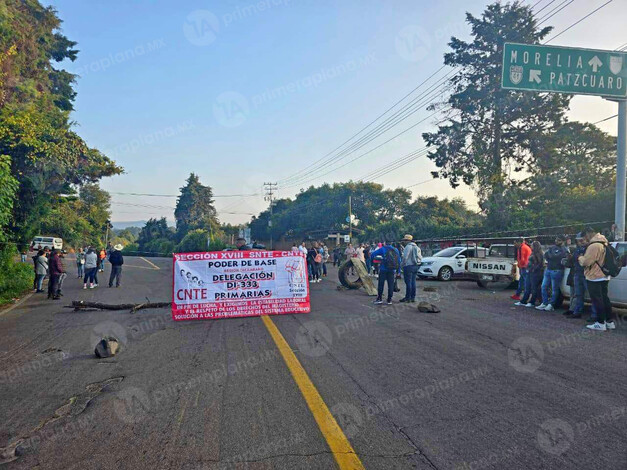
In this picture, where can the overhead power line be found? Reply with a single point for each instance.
(369, 124)
(579, 21)
(177, 195)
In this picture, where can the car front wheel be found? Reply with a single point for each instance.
(445, 274)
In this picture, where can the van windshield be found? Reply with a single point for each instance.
(48, 240)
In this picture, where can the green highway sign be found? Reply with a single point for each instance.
(564, 70)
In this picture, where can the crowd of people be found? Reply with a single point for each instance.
(542, 273)
(89, 262)
(387, 261)
(317, 256)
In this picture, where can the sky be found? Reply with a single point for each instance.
(243, 93)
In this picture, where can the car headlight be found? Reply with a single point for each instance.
(427, 263)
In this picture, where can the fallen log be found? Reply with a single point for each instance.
(78, 305)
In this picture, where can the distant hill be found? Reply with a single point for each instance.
(132, 223)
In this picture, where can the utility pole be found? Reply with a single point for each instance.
(270, 190)
(350, 219)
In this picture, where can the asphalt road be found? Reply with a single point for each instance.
(482, 384)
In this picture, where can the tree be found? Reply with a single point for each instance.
(194, 208)
(492, 133)
(155, 232)
(47, 157)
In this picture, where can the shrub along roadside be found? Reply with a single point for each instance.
(16, 278)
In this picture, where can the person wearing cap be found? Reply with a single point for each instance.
(410, 261)
(556, 258)
(579, 279)
(117, 260)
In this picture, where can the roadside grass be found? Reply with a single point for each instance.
(16, 279)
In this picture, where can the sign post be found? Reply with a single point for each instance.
(555, 69)
(621, 171)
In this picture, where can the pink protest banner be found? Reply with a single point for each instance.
(226, 284)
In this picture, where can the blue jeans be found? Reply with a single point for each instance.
(579, 291)
(552, 277)
(409, 275)
(521, 281)
(532, 287)
(368, 264)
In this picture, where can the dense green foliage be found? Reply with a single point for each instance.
(380, 214)
(15, 278)
(48, 174)
(48, 159)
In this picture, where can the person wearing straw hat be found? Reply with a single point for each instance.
(410, 262)
(117, 260)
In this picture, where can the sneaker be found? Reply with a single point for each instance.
(515, 297)
(597, 326)
(541, 307)
(413, 301)
(95, 285)
(378, 302)
(568, 312)
(91, 286)
(389, 302)
(519, 304)
(530, 305)
(404, 300)
(84, 286)
(549, 308)
(610, 325)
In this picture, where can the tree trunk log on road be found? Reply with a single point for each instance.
(83, 305)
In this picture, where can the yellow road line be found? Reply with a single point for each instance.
(343, 452)
(150, 263)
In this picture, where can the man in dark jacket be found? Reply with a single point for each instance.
(556, 258)
(117, 260)
(389, 268)
(56, 269)
(579, 279)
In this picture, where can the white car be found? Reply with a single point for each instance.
(617, 290)
(450, 262)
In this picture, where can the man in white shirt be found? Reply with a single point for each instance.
(303, 249)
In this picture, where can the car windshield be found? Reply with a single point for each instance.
(447, 253)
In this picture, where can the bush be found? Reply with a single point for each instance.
(194, 240)
(132, 249)
(15, 278)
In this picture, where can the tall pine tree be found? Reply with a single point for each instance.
(194, 208)
(492, 133)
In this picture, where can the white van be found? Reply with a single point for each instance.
(53, 243)
(617, 291)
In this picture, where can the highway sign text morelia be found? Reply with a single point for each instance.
(564, 70)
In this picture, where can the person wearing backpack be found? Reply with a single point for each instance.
(389, 267)
(599, 266)
(314, 260)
